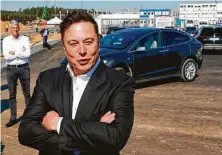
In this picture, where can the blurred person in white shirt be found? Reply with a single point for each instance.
(16, 51)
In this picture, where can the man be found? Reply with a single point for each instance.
(36, 28)
(83, 108)
(44, 33)
(16, 50)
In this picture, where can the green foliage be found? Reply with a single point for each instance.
(29, 14)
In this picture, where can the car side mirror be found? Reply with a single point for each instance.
(140, 49)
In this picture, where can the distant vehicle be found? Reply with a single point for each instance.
(114, 28)
(210, 37)
(189, 23)
(191, 30)
(148, 53)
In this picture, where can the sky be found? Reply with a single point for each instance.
(102, 5)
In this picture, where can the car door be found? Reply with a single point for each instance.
(175, 47)
(218, 36)
(146, 55)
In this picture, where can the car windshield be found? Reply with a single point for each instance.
(118, 40)
(190, 29)
(207, 32)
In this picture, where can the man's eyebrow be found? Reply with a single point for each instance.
(72, 40)
(90, 38)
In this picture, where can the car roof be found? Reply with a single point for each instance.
(211, 26)
(143, 31)
(138, 30)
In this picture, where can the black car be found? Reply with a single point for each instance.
(191, 30)
(150, 52)
(210, 37)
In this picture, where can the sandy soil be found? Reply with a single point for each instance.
(171, 117)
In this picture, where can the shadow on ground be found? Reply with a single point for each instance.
(212, 52)
(157, 82)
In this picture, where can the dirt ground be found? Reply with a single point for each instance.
(171, 117)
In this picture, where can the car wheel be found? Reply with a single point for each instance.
(129, 72)
(188, 70)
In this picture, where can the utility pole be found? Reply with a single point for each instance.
(81, 4)
(216, 13)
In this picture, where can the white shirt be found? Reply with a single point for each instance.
(21, 46)
(45, 32)
(79, 84)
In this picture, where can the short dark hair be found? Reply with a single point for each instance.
(74, 17)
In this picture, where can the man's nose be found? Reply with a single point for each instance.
(82, 50)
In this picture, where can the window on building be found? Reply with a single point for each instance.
(157, 13)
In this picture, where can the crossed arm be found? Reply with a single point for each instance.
(111, 132)
(10, 54)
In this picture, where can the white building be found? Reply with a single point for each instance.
(117, 19)
(209, 13)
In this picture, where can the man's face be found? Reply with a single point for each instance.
(15, 30)
(81, 47)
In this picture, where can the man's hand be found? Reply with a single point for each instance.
(108, 117)
(51, 120)
(12, 52)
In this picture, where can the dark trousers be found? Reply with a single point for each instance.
(13, 74)
(45, 43)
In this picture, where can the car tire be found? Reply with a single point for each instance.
(188, 70)
(129, 72)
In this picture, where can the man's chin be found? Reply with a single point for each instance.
(85, 69)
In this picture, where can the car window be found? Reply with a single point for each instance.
(207, 32)
(118, 40)
(172, 38)
(151, 41)
(218, 32)
(197, 32)
(191, 29)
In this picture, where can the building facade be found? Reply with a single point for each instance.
(208, 13)
(148, 16)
